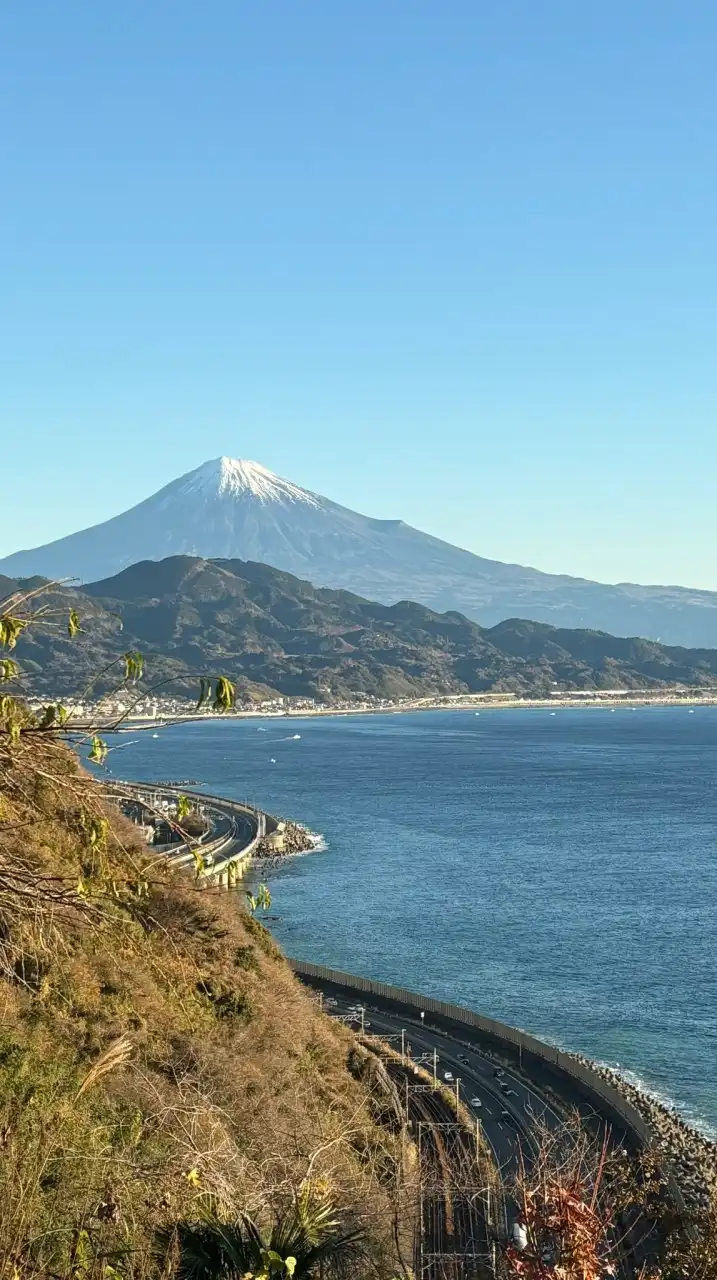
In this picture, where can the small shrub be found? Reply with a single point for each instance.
(245, 958)
(226, 1002)
(262, 937)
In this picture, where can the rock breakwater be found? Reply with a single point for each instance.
(288, 839)
(691, 1156)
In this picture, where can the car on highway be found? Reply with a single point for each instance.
(447, 1075)
(476, 1102)
(498, 1071)
(520, 1236)
(462, 1058)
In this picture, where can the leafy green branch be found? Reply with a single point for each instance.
(16, 616)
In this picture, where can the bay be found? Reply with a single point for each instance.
(554, 870)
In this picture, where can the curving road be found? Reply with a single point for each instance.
(506, 1117)
(235, 827)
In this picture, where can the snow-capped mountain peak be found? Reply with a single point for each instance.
(235, 477)
(231, 509)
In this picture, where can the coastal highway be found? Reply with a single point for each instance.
(234, 827)
(510, 1121)
(533, 1103)
(507, 1119)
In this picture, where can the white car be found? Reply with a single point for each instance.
(476, 1102)
(520, 1236)
(447, 1075)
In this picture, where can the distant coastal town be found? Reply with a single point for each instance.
(123, 707)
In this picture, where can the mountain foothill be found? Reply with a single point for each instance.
(273, 633)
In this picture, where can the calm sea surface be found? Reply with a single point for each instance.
(556, 871)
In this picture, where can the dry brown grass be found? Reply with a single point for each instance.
(155, 1049)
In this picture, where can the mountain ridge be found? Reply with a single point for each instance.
(273, 633)
(236, 509)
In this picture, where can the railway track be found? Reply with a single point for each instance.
(454, 1235)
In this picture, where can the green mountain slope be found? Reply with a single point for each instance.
(270, 631)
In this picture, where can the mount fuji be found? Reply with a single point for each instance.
(228, 509)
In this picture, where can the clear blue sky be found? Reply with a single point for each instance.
(452, 262)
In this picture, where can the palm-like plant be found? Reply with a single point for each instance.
(308, 1240)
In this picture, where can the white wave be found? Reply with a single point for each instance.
(650, 1092)
(319, 844)
(654, 1094)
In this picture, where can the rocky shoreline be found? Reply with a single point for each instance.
(289, 839)
(691, 1156)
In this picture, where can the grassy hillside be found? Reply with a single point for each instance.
(269, 631)
(156, 1054)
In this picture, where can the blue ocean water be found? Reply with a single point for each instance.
(556, 871)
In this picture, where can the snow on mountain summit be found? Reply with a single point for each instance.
(235, 477)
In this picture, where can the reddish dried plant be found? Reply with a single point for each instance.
(575, 1194)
